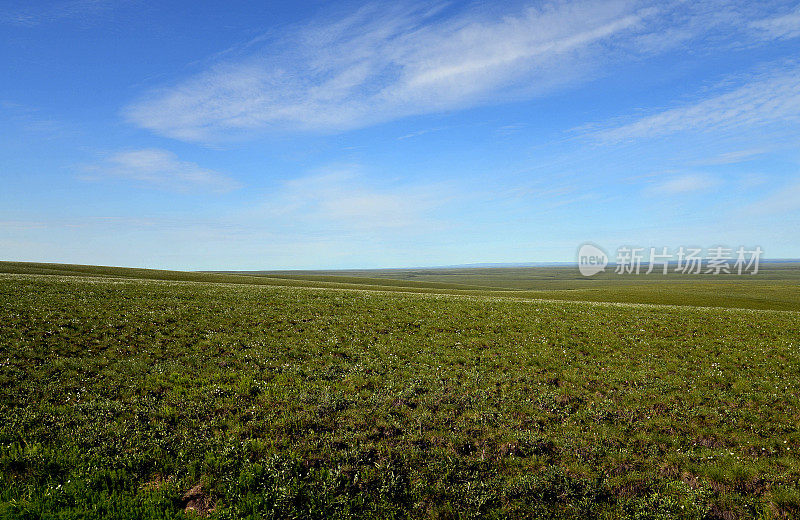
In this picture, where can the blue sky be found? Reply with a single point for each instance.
(260, 135)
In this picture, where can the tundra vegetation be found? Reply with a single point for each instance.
(397, 394)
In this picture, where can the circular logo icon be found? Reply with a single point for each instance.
(591, 260)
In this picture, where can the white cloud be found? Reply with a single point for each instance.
(422, 132)
(779, 27)
(734, 157)
(83, 10)
(341, 199)
(762, 100)
(785, 200)
(683, 184)
(382, 63)
(29, 119)
(162, 169)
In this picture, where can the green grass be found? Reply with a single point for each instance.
(121, 390)
(776, 287)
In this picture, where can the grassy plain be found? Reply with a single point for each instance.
(144, 394)
(776, 286)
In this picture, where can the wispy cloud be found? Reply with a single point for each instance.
(760, 100)
(342, 198)
(781, 27)
(511, 129)
(784, 200)
(422, 132)
(30, 119)
(159, 168)
(381, 63)
(384, 62)
(35, 14)
(734, 157)
(683, 184)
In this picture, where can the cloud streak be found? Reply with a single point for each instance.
(734, 157)
(782, 27)
(31, 16)
(382, 63)
(162, 169)
(684, 184)
(772, 98)
(338, 198)
(385, 62)
(784, 200)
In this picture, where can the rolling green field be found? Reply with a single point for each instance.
(776, 286)
(132, 393)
